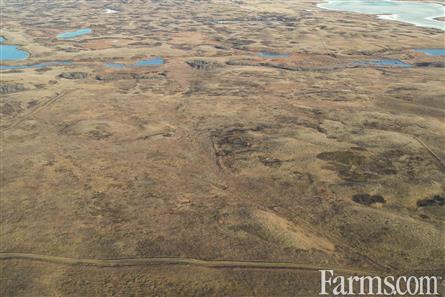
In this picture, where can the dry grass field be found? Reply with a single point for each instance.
(218, 154)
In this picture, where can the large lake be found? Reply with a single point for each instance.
(416, 13)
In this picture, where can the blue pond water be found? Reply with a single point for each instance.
(156, 61)
(272, 55)
(416, 13)
(115, 65)
(383, 63)
(11, 52)
(74, 34)
(40, 65)
(431, 51)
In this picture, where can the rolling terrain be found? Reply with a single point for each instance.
(219, 155)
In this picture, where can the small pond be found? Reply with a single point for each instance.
(115, 65)
(431, 51)
(74, 34)
(11, 52)
(156, 61)
(272, 55)
(40, 65)
(383, 63)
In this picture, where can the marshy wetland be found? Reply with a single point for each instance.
(164, 132)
